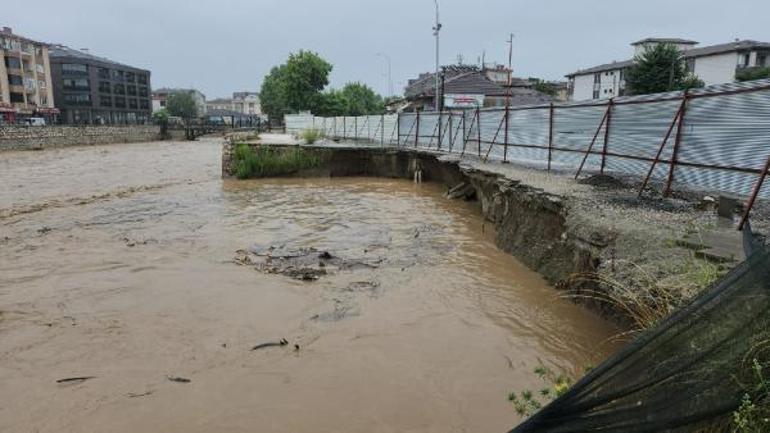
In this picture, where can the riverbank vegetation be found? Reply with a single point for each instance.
(268, 162)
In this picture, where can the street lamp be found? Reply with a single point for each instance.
(390, 71)
(436, 30)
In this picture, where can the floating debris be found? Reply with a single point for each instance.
(178, 379)
(280, 343)
(75, 379)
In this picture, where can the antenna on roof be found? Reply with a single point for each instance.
(460, 59)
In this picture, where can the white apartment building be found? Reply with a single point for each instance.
(246, 103)
(714, 64)
(25, 78)
(160, 96)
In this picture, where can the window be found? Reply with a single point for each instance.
(15, 80)
(74, 69)
(118, 76)
(120, 102)
(133, 104)
(104, 73)
(597, 78)
(12, 63)
(762, 60)
(105, 87)
(131, 90)
(119, 89)
(142, 79)
(105, 101)
(690, 65)
(78, 98)
(143, 91)
(77, 83)
(130, 77)
(144, 104)
(17, 97)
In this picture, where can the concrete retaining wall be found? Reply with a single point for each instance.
(35, 138)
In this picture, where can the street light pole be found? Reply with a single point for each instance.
(390, 73)
(436, 30)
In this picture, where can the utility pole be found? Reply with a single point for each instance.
(510, 72)
(436, 30)
(390, 73)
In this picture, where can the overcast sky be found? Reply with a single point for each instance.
(229, 45)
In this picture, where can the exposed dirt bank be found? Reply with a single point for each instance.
(576, 234)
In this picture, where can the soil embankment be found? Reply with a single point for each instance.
(594, 239)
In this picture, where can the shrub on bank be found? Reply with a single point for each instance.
(311, 135)
(266, 161)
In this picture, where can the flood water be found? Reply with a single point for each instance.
(117, 262)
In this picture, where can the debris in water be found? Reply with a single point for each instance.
(178, 379)
(43, 230)
(75, 379)
(143, 394)
(281, 342)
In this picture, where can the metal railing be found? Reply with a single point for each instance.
(714, 139)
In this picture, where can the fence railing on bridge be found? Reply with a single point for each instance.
(714, 139)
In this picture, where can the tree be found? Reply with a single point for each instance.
(330, 103)
(660, 68)
(273, 94)
(295, 85)
(753, 74)
(160, 116)
(361, 99)
(182, 104)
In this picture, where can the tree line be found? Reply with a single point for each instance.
(300, 85)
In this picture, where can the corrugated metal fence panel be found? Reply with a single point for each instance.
(296, 123)
(528, 128)
(731, 131)
(574, 128)
(726, 125)
(637, 130)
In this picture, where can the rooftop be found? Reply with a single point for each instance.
(63, 51)
(678, 41)
(7, 31)
(710, 50)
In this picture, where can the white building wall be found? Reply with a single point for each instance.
(583, 87)
(716, 69)
(611, 82)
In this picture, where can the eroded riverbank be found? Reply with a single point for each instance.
(117, 262)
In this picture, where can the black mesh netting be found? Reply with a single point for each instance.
(691, 370)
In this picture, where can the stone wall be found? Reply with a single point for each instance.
(35, 138)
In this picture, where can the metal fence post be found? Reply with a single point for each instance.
(478, 127)
(606, 134)
(417, 130)
(754, 195)
(344, 127)
(398, 130)
(677, 143)
(505, 139)
(439, 131)
(550, 135)
(451, 134)
(382, 129)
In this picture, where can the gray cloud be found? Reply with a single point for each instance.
(230, 45)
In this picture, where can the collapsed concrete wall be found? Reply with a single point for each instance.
(35, 138)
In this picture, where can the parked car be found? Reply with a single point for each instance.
(34, 121)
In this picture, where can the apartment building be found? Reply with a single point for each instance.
(25, 79)
(89, 89)
(246, 103)
(714, 64)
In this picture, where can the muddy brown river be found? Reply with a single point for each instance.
(117, 263)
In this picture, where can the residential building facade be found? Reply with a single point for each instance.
(246, 103)
(468, 86)
(714, 64)
(160, 96)
(89, 89)
(25, 79)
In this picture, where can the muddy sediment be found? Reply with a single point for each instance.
(420, 323)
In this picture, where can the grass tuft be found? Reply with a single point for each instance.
(268, 162)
